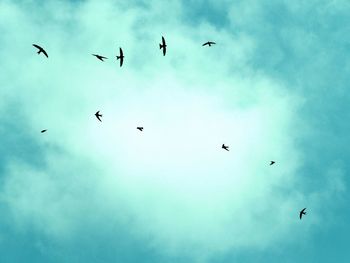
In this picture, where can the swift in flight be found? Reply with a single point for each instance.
(272, 162)
(98, 115)
(43, 131)
(163, 46)
(209, 43)
(140, 128)
(225, 147)
(302, 212)
(121, 56)
(99, 57)
(40, 50)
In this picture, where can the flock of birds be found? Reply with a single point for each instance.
(162, 46)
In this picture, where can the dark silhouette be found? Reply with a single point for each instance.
(121, 56)
(98, 115)
(100, 57)
(225, 147)
(140, 128)
(209, 43)
(43, 131)
(41, 50)
(272, 162)
(302, 213)
(163, 46)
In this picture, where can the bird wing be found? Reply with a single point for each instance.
(163, 40)
(212, 43)
(164, 50)
(44, 53)
(98, 117)
(38, 47)
(121, 51)
(205, 44)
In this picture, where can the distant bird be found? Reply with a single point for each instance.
(302, 212)
(163, 46)
(225, 147)
(100, 57)
(272, 162)
(209, 43)
(140, 128)
(121, 56)
(43, 131)
(98, 115)
(41, 50)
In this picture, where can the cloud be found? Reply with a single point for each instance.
(172, 182)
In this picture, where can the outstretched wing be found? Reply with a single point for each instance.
(44, 53)
(206, 43)
(38, 47)
(121, 57)
(301, 213)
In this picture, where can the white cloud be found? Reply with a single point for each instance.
(173, 179)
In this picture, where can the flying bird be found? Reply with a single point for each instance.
(225, 147)
(140, 128)
(40, 50)
(43, 131)
(121, 56)
(98, 115)
(209, 43)
(272, 162)
(163, 46)
(302, 212)
(100, 57)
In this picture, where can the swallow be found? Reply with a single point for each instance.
(163, 46)
(302, 212)
(43, 131)
(100, 57)
(209, 43)
(40, 50)
(225, 147)
(140, 128)
(121, 56)
(98, 115)
(272, 162)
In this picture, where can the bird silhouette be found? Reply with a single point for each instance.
(302, 212)
(209, 43)
(121, 56)
(40, 50)
(225, 147)
(100, 57)
(272, 162)
(43, 131)
(140, 128)
(163, 46)
(98, 115)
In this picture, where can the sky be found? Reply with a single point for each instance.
(272, 88)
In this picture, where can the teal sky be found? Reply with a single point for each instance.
(274, 87)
